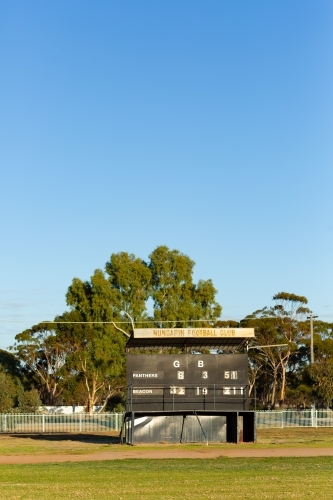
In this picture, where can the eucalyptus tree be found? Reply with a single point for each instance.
(290, 316)
(321, 373)
(10, 389)
(322, 339)
(130, 281)
(10, 363)
(82, 353)
(177, 300)
(97, 347)
(283, 323)
(264, 362)
(29, 401)
(43, 355)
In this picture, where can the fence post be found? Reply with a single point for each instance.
(282, 419)
(5, 423)
(80, 421)
(43, 423)
(313, 416)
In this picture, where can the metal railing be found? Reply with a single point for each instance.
(81, 422)
(108, 422)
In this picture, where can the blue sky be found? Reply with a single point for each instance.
(204, 126)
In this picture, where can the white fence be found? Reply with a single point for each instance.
(68, 410)
(81, 422)
(107, 422)
(293, 418)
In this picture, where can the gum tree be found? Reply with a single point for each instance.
(97, 347)
(43, 355)
(177, 300)
(130, 280)
(290, 314)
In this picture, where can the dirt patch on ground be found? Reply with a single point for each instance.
(119, 452)
(53, 448)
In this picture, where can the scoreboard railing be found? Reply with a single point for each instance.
(187, 397)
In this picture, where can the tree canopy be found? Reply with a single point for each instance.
(80, 357)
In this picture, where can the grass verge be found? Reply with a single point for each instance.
(274, 478)
(80, 444)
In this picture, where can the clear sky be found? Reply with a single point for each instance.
(206, 126)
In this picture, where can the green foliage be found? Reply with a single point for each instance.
(10, 388)
(300, 397)
(10, 363)
(98, 362)
(13, 397)
(130, 280)
(43, 354)
(322, 375)
(80, 359)
(227, 324)
(119, 408)
(74, 390)
(96, 358)
(323, 340)
(285, 297)
(176, 298)
(283, 323)
(29, 402)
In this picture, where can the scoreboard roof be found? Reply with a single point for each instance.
(189, 337)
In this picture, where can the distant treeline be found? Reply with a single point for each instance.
(80, 358)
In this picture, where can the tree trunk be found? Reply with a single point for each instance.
(274, 389)
(283, 384)
(91, 396)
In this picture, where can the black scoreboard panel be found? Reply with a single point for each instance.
(165, 382)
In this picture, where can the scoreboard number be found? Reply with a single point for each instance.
(231, 375)
(180, 391)
(204, 374)
(201, 390)
(232, 391)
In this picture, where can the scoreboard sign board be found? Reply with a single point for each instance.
(149, 333)
(164, 382)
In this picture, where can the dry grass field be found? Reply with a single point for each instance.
(80, 444)
(278, 477)
(230, 479)
(293, 436)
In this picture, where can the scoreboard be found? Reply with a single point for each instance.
(164, 382)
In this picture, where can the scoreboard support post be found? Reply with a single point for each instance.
(203, 432)
(249, 427)
(232, 428)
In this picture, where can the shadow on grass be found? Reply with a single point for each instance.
(68, 436)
